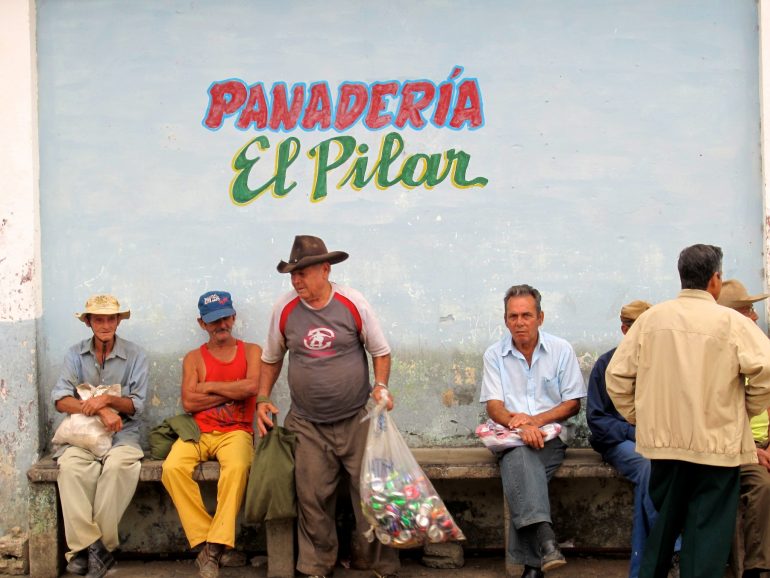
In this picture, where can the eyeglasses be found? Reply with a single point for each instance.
(747, 311)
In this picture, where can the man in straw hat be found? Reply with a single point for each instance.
(95, 492)
(219, 388)
(327, 330)
(755, 478)
(686, 374)
(615, 439)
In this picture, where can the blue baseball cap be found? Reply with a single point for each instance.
(214, 305)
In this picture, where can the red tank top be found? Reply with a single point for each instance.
(236, 414)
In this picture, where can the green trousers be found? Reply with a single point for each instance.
(701, 503)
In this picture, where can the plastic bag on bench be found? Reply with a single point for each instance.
(397, 499)
(498, 438)
(87, 431)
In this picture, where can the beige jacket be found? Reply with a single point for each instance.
(679, 374)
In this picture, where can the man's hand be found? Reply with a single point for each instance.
(532, 436)
(520, 419)
(264, 423)
(111, 420)
(94, 405)
(378, 392)
(764, 458)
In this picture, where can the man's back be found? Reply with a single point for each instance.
(690, 402)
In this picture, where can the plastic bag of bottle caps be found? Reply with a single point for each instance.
(498, 438)
(399, 502)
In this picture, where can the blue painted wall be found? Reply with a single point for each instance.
(616, 133)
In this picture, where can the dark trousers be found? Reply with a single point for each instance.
(701, 503)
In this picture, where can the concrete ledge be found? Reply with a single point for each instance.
(47, 530)
(461, 463)
(480, 463)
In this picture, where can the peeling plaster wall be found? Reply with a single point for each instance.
(20, 299)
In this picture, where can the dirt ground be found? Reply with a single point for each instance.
(475, 567)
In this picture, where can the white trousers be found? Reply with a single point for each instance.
(95, 493)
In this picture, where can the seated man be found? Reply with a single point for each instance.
(95, 492)
(615, 439)
(530, 379)
(755, 478)
(219, 387)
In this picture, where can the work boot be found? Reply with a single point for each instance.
(531, 572)
(79, 563)
(99, 560)
(232, 559)
(551, 556)
(208, 560)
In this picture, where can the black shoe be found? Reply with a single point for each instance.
(99, 560)
(552, 557)
(79, 563)
(530, 572)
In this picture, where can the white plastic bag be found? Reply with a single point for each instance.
(87, 431)
(397, 499)
(499, 438)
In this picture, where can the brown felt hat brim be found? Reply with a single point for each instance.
(331, 258)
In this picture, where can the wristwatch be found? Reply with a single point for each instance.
(380, 384)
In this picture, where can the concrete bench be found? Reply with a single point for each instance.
(46, 540)
(46, 532)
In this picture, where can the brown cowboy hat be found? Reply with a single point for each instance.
(734, 295)
(308, 250)
(103, 305)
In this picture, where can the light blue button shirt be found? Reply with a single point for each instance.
(554, 376)
(126, 364)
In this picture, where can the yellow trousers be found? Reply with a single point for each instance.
(95, 493)
(233, 451)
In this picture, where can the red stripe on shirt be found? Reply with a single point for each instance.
(285, 315)
(352, 308)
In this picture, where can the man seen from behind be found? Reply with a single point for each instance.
(686, 374)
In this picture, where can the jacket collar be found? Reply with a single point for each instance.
(696, 294)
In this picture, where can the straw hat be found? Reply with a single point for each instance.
(103, 305)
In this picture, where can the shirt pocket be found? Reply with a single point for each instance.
(550, 388)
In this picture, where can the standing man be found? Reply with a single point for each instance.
(678, 375)
(615, 439)
(531, 378)
(95, 492)
(755, 478)
(327, 330)
(219, 387)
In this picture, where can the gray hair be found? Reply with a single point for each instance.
(697, 265)
(523, 291)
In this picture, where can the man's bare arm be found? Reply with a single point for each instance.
(193, 400)
(267, 378)
(111, 420)
(528, 424)
(564, 410)
(241, 388)
(381, 367)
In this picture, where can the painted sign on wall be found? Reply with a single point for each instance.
(456, 104)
